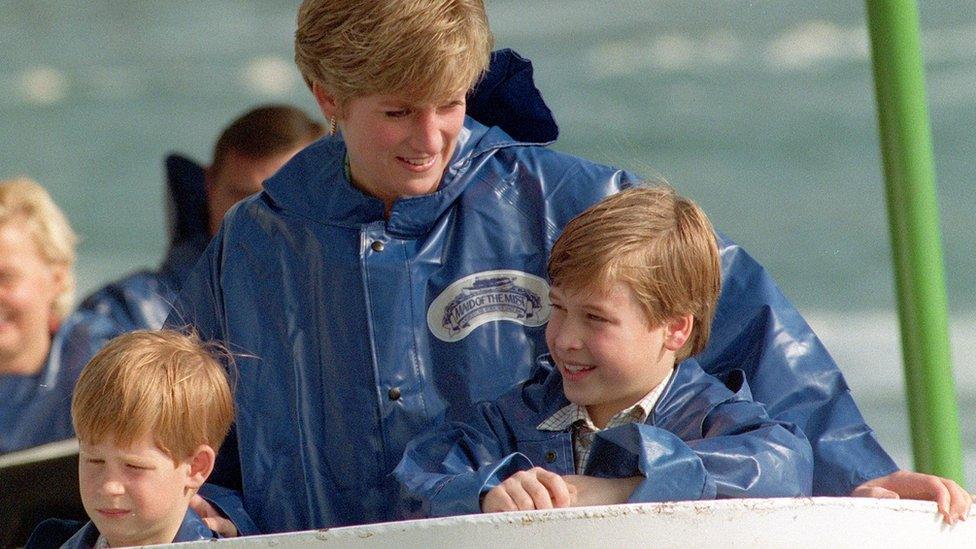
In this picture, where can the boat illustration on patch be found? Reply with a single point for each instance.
(488, 296)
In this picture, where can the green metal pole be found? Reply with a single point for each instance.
(913, 215)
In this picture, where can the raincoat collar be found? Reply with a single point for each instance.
(313, 185)
(191, 529)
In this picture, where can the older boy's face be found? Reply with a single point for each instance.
(608, 355)
(135, 495)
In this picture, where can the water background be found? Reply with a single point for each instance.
(763, 112)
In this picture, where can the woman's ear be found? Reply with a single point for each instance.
(201, 465)
(678, 331)
(327, 102)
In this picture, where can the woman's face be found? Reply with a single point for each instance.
(399, 147)
(29, 286)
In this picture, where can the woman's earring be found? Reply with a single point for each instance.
(332, 126)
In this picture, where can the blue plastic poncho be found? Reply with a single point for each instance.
(36, 409)
(357, 331)
(701, 441)
(191, 529)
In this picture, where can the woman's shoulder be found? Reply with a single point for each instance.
(541, 393)
(692, 392)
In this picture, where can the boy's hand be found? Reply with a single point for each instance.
(953, 502)
(601, 491)
(212, 517)
(532, 489)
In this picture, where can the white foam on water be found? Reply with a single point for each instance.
(867, 346)
(815, 43)
(812, 44)
(42, 85)
(672, 51)
(667, 52)
(614, 58)
(518, 20)
(270, 75)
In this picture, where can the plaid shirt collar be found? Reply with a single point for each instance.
(573, 413)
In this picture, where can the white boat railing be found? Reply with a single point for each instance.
(782, 522)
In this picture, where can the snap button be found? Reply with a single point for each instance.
(550, 457)
(394, 394)
(377, 246)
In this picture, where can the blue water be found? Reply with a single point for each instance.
(761, 111)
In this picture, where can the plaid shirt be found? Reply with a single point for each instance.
(576, 417)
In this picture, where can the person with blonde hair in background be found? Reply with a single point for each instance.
(42, 346)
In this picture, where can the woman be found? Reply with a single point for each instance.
(42, 348)
(392, 275)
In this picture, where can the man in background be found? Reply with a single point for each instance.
(248, 151)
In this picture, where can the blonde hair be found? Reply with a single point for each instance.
(425, 49)
(658, 243)
(22, 199)
(155, 381)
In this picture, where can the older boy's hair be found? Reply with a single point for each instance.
(161, 382)
(658, 243)
(424, 49)
(265, 131)
(22, 199)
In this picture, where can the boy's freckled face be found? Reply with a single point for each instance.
(134, 495)
(608, 355)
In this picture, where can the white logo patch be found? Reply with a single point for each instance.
(488, 296)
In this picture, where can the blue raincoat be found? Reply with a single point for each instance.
(142, 299)
(36, 409)
(356, 332)
(191, 529)
(701, 441)
(505, 97)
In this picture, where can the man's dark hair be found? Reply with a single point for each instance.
(265, 131)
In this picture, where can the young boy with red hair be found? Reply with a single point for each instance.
(151, 409)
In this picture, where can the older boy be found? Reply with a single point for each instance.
(634, 281)
(151, 410)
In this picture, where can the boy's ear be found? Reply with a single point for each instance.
(326, 101)
(678, 331)
(201, 465)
